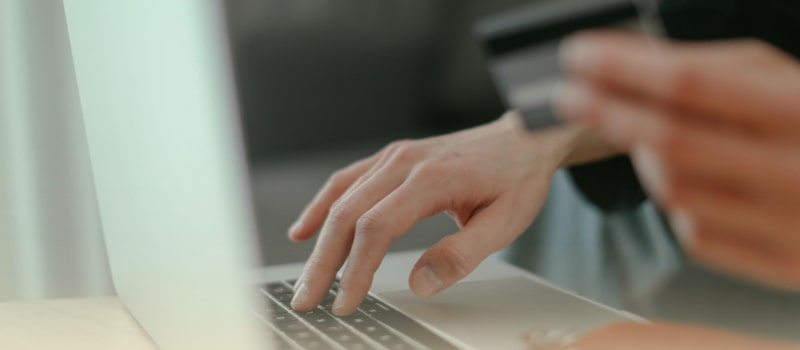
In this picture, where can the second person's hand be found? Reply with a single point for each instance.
(655, 336)
(714, 129)
(492, 180)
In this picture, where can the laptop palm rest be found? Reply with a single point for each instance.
(496, 314)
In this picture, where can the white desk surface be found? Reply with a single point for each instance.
(86, 324)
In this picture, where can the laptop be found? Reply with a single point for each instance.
(161, 117)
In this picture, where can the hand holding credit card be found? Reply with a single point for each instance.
(522, 47)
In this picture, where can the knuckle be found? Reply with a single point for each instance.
(686, 82)
(428, 170)
(341, 211)
(403, 153)
(669, 147)
(370, 224)
(396, 145)
(317, 264)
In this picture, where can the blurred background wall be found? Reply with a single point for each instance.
(323, 74)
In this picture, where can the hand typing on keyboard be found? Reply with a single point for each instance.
(492, 180)
(374, 325)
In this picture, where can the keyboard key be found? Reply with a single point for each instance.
(277, 310)
(358, 319)
(355, 332)
(292, 326)
(388, 338)
(311, 313)
(319, 319)
(398, 346)
(302, 334)
(350, 341)
(406, 326)
(278, 288)
(358, 346)
(285, 299)
(310, 341)
(334, 328)
(374, 307)
(373, 330)
(278, 318)
(327, 302)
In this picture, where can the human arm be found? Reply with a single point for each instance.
(611, 184)
(492, 180)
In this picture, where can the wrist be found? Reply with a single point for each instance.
(586, 147)
(559, 146)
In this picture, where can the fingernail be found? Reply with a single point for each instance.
(574, 101)
(579, 53)
(426, 282)
(339, 304)
(650, 171)
(300, 295)
(683, 227)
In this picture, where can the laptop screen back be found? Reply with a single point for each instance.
(166, 153)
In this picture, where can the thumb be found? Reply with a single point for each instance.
(456, 255)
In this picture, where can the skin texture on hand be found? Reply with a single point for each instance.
(663, 336)
(714, 133)
(492, 180)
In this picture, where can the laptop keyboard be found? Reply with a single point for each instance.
(375, 325)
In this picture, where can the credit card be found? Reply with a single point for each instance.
(522, 47)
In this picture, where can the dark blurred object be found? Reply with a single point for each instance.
(322, 74)
(522, 48)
